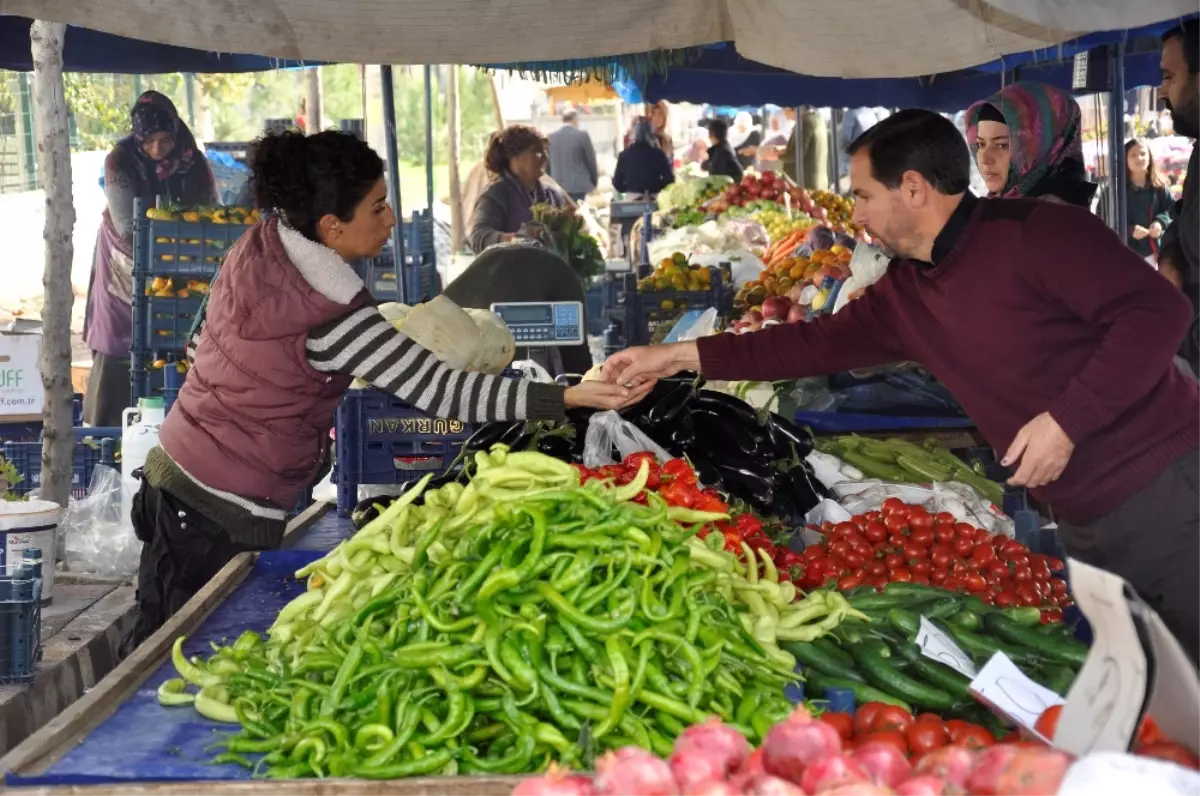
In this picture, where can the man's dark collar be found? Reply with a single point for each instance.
(946, 240)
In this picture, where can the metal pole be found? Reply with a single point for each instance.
(429, 138)
(1116, 137)
(189, 83)
(798, 149)
(393, 166)
(835, 151)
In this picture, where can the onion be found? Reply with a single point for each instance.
(555, 782)
(830, 771)
(633, 770)
(951, 763)
(885, 764)
(797, 742)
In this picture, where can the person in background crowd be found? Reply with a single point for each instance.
(301, 119)
(721, 157)
(1053, 335)
(1148, 203)
(158, 158)
(1180, 245)
(813, 128)
(643, 168)
(516, 162)
(1027, 142)
(855, 122)
(745, 137)
(698, 150)
(660, 120)
(573, 158)
(775, 138)
(286, 328)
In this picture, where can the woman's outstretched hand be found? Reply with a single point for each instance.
(602, 395)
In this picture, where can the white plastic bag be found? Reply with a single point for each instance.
(97, 535)
(608, 430)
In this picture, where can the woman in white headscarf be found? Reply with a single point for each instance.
(745, 137)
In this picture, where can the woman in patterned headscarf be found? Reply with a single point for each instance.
(158, 159)
(1027, 142)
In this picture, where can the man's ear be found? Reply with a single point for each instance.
(914, 188)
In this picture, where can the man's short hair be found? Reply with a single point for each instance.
(921, 141)
(1189, 32)
(570, 116)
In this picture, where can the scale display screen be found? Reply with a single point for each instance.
(543, 323)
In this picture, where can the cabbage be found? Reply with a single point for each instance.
(690, 191)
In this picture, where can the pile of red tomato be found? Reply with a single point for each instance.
(915, 736)
(909, 544)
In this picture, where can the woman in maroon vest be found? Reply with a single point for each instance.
(287, 327)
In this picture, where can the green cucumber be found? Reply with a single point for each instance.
(1071, 653)
(887, 601)
(943, 677)
(967, 620)
(872, 661)
(910, 590)
(906, 622)
(981, 648)
(948, 606)
(831, 649)
(815, 684)
(1059, 678)
(1023, 615)
(815, 659)
(873, 468)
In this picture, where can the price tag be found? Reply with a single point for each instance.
(939, 647)
(1004, 688)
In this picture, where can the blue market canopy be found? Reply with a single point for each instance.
(91, 51)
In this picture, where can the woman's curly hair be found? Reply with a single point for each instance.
(506, 144)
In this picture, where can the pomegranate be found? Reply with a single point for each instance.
(926, 785)
(989, 764)
(885, 764)
(855, 787)
(633, 770)
(709, 746)
(830, 771)
(775, 308)
(711, 788)
(797, 742)
(767, 785)
(951, 763)
(1033, 771)
(555, 782)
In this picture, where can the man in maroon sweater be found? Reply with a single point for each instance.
(1054, 336)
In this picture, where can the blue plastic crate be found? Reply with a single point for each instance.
(20, 626)
(26, 457)
(644, 312)
(191, 249)
(421, 279)
(380, 440)
(163, 324)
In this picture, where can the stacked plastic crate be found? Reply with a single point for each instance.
(647, 314)
(174, 263)
(421, 280)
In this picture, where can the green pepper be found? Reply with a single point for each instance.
(427, 764)
(577, 617)
(620, 698)
(172, 693)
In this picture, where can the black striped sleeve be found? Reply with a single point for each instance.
(364, 345)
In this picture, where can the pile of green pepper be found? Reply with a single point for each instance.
(520, 620)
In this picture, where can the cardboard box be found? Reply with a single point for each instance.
(21, 392)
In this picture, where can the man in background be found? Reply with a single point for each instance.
(1180, 246)
(573, 158)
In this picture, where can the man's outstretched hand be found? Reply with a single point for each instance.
(1043, 449)
(634, 367)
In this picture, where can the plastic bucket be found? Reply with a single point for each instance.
(26, 524)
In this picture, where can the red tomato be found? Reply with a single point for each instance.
(877, 567)
(874, 516)
(865, 717)
(1173, 752)
(925, 737)
(938, 577)
(842, 722)
(974, 737)
(915, 552)
(897, 540)
(1058, 586)
(976, 582)
(943, 534)
(964, 530)
(1022, 574)
(982, 556)
(891, 717)
(998, 569)
(896, 522)
(815, 551)
(876, 531)
(1055, 564)
(849, 582)
(679, 470)
(1006, 598)
(855, 560)
(921, 536)
(944, 518)
(902, 575)
(955, 728)
(839, 548)
(1048, 721)
(963, 547)
(920, 518)
(983, 536)
(1028, 594)
(926, 718)
(843, 528)
(922, 568)
(941, 558)
(1051, 615)
(893, 737)
(893, 560)
(1019, 559)
(895, 506)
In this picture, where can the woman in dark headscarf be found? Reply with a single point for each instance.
(1027, 142)
(158, 159)
(643, 168)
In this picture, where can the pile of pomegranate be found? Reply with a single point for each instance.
(801, 756)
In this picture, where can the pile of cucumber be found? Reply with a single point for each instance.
(879, 661)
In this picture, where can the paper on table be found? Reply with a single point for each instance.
(1007, 690)
(1113, 772)
(939, 647)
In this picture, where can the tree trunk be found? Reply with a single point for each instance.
(496, 110)
(312, 103)
(54, 161)
(454, 118)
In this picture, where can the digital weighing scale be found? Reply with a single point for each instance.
(541, 327)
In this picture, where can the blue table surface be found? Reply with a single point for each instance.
(144, 741)
(324, 534)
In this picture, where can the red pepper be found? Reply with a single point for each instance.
(678, 494)
(733, 542)
(678, 470)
